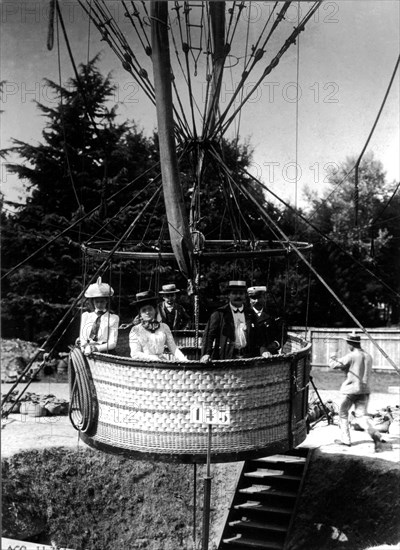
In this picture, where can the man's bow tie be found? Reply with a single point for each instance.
(238, 311)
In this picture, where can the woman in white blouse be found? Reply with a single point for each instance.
(147, 340)
(99, 327)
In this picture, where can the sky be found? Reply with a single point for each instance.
(343, 63)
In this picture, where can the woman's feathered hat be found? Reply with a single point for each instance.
(99, 290)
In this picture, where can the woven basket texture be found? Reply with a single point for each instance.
(146, 407)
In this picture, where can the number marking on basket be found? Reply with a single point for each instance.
(209, 415)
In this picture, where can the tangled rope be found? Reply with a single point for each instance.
(83, 408)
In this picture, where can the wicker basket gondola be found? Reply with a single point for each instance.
(141, 409)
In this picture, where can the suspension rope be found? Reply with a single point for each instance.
(89, 34)
(378, 216)
(240, 8)
(65, 148)
(222, 126)
(83, 408)
(244, 65)
(177, 95)
(75, 223)
(186, 49)
(357, 165)
(297, 115)
(220, 162)
(233, 181)
(267, 217)
(99, 270)
(256, 55)
(323, 235)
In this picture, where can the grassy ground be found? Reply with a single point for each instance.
(92, 501)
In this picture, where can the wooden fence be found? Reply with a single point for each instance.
(327, 341)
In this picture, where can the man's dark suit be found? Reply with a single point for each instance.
(177, 319)
(219, 335)
(273, 331)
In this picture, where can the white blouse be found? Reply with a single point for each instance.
(145, 344)
(108, 331)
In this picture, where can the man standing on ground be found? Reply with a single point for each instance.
(355, 390)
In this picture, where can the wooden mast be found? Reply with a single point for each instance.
(176, 214)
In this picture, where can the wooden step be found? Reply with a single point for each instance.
(263, 473)
(267, 491)
(256, 506)
(247, 543)
(294, 465)
(261, 513)
(286, 459)
(244, 525)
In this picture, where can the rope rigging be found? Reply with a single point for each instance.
(286, 239)
(77, 222)
(195, 38)
(99, 271)
(222, 126)
(357, 165)
(247, 71)
(323, 235)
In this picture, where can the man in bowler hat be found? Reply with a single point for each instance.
(232, 330)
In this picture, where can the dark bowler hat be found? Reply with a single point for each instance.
(236, 285)
(353, 338)
(145, 297)
(169, 289)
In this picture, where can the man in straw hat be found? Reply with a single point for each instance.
(355, 390)
(99, 327)
(172, 314)
(272, 327)
(232, 330)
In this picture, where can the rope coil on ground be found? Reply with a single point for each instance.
(83, 407)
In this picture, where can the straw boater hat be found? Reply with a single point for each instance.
(255, 290)
(145, 297)
(169, 289)
(236, 285)
(353, 338)
(99, 290)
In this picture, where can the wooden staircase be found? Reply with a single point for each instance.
(263, 506)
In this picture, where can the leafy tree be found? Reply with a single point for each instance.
(366, 264)
(84, 159)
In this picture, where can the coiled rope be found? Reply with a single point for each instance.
(83, 408)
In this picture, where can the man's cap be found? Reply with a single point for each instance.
(236, 285)
(145, 297)
(353, 338)
(255, 290)
(169, 289)
(99, 290)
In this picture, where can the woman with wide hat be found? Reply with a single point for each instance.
(99, 327)
(147, 339)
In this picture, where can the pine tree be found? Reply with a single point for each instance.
(85, 158)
